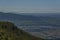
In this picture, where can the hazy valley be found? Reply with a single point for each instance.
(48, 27)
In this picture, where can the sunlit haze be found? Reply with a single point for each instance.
(30, 6)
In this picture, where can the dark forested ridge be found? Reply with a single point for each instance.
(8, 31)
(51, 20)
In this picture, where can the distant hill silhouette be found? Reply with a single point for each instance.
(36, 20)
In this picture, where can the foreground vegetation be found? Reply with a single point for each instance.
(8, 31)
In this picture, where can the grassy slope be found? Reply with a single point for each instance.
(8, 31)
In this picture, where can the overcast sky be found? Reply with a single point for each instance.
(30, 6)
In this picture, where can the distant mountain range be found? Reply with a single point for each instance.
(42, 14)
(30, 19)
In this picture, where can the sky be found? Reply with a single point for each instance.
(30, 6)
